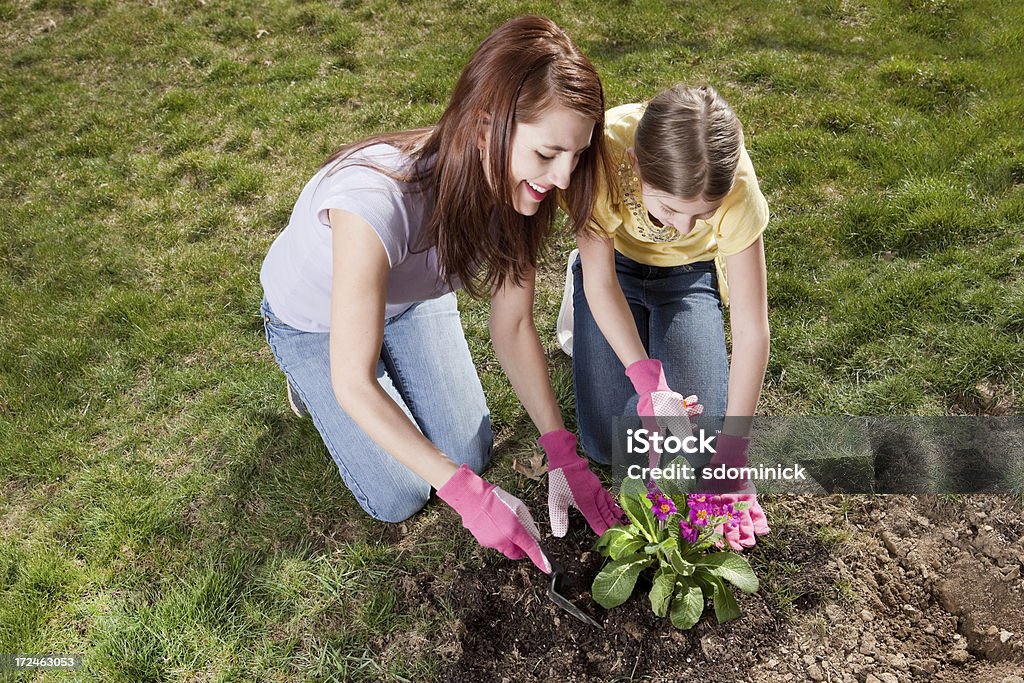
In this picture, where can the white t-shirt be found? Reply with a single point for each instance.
(296, 273)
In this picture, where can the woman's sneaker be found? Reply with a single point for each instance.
(295, 403)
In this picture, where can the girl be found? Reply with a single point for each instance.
(359, 303)
(680, 208)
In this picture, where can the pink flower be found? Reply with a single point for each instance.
(701, 509)
(699, 516)
(688, 533)
(662, 506)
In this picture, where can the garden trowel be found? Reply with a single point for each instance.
(561, 600)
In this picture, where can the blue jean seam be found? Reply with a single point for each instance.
(350, 481)
(398, 379)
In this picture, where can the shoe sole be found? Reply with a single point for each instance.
(293, 404)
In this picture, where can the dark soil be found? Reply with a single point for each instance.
(512, 630)
(869, 589)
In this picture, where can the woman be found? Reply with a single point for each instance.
(681, 201)
(359, 301)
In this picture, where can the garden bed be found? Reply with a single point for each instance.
(855, 588)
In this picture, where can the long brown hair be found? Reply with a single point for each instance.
(688, 143)
(524, 68)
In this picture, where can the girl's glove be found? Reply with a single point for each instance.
(752, 521)
(731, 451)
(658, 406)
(496, 518)
(571, 483)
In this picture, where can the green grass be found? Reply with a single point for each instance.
(162, 512)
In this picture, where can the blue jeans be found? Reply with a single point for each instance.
(678, 313)
(426, 368)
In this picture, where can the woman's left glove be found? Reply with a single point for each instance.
(571, 483)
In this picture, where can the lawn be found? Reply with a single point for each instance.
(161, 510)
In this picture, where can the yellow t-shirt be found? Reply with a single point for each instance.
(736, 225)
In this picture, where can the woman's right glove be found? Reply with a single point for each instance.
(496, 518)
(648, 378)
(657, 404)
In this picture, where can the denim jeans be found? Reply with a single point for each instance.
(678, 313)
(426, 368)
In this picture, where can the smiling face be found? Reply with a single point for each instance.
(666, 209)
(543, 156)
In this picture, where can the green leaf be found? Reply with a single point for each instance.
(613, 536)
(680, 565)
(605, 539)
(639, 512)
(688, 604)
(626, 547)
(726, 608)
(688, 552)
(675, 488)
(661, 591)
(635, 488)
(614, 584)
(731, 567)
(740, 505)
(638, 557)
(669, 545)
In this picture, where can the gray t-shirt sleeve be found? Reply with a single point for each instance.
(297, 273)
(373, 196)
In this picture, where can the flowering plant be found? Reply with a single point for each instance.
(678, 535)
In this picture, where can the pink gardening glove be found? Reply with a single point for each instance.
(657, 400)
(660, 409)
(571, 483)
(731, 451)
(752, 521)
(496, 518)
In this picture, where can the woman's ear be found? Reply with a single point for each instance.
(483, 128)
